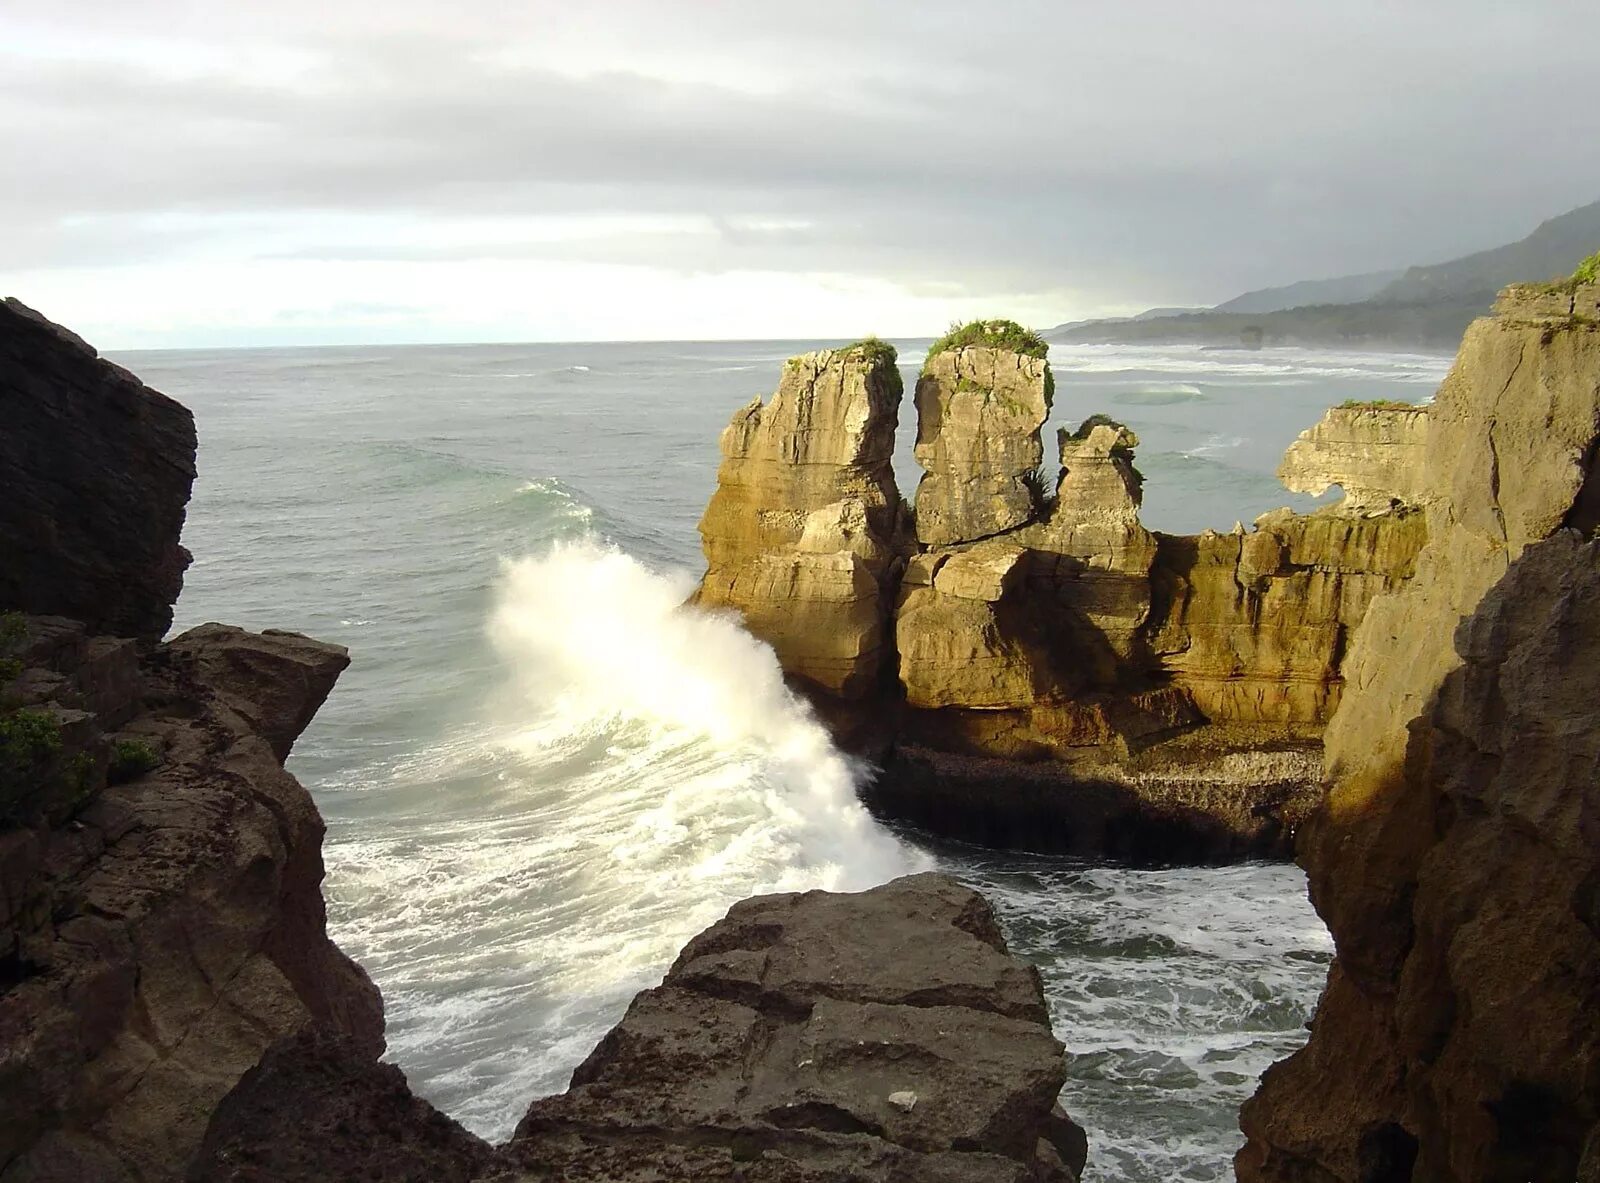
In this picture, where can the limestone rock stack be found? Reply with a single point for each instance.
(1094, 553)
(1454, 857)
(803, 535)
(979, 411)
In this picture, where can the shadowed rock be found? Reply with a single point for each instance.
(1451, 856)
(96, 469)
(162, 932)
(884, 1035)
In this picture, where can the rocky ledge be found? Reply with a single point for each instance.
(873, 1037)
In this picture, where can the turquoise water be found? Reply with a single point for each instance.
(540, 776)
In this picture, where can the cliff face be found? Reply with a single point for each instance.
(1373, 452)
(161, 933)
(979, 411)
(96, 468)
(801, 534)
(1455, 854)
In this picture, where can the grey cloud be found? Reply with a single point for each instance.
(1160, 151)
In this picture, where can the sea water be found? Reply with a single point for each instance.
(541, 775)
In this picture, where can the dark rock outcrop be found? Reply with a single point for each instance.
(96, 469)
(817, 1038)
(884, 1035)
(160, 933)
(1454, 856)
(319, 1107)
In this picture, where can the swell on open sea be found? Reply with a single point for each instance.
(541, 775)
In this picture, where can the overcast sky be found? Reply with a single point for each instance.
(189, 173)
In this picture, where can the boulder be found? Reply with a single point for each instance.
(875, 1036)
(97, 469)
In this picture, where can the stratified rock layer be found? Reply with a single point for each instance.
(1374, 452)
(1395, 1074)
(979, 411)
(881, 1036)
(96, 469)
(800, 536)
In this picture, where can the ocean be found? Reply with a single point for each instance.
(541, 775)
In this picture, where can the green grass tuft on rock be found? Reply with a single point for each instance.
(1588, 271)
(872, 349)
(995, 334)
(130, 758)
(1377, 404)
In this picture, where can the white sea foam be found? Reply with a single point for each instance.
(640, 768)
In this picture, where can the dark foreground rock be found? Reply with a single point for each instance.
(96, 469)
(158, 933)
(319, 1107)
(881, 1036)
(817, 1038)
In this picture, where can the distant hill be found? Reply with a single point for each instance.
(1420, 308)
(1345, 289)
(1554, 249)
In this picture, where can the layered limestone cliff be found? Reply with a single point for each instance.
(979, 411)
(801, 536)
(1054, 670)
(96, 468)
(1454, 856)
(161, 916)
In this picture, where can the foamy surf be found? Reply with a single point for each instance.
(641, 767)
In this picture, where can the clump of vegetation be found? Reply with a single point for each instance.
(1588, 271)
(30, 742)
(1376, 404)
(130, 758)
(1040, 488)
(996, 334)
(872, 349)
(876, 351)
(12, 629)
